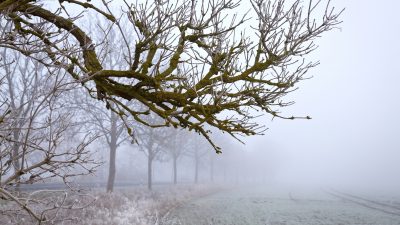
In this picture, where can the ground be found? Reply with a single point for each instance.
(261, 206)
(227, 205)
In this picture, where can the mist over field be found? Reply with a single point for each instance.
(150, 113)
(352, 99)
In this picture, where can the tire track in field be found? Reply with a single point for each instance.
(368, 203)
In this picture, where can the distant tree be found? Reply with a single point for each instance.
(111, 129)
(212, 156)
(109, 124)
(208, 70)
(152, 141)
(176, 148)
(38, 139)
(197, 150)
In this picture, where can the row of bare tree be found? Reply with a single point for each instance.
(155, 143)
(40, 138)
(50, 131)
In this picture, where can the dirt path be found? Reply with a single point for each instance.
(256, 206)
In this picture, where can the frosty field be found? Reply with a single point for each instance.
(261, 206)
(227, 205)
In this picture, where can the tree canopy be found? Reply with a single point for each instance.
(192, 63)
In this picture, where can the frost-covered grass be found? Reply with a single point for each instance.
(263, 206)
(211, 205)
(134, 205)
(140, 206)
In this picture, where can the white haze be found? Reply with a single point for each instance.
(353, 138)
(353, 98)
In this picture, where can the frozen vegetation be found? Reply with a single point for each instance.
(134, 205)
(223, 205)
(266, 206)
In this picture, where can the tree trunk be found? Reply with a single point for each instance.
(211, 167)
(149, 173)
(196, 170)
(113, 153)
(16, 160)
(112, 169)
(175, 171)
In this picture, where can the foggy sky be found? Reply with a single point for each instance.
(353, 137)
(353, 99)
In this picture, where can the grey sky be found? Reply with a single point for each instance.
(353, 100)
